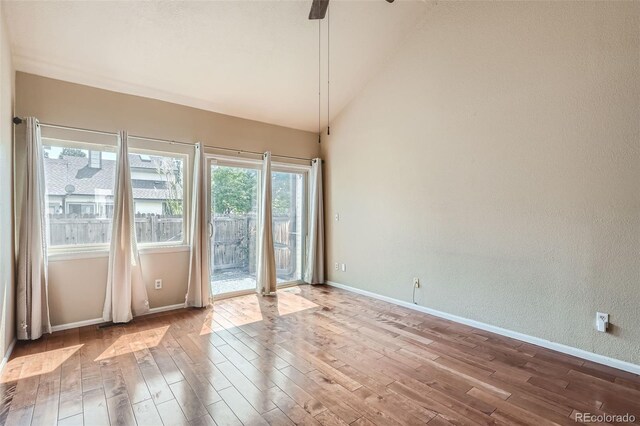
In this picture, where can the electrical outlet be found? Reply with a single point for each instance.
(416, 282)
(343, 267)
(602, 322)
(337, 266)
(158, 284)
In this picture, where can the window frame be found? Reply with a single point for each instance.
(304, 226)
(73, 139)
(66, 251)
(185, 193)
(81, 204)
(276, 166)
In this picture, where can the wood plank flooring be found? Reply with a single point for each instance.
(313, 355)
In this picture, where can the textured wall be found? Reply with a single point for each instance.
(59, 102)
(497, 157)
(77, 287)
(7, 326)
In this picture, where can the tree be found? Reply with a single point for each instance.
(72, 152)
(282, 185)
(171, 172)
(234, 190)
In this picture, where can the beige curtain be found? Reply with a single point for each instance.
(199, 287)
(126, 293)
(314, 272)
(32, 298)
(266, 268)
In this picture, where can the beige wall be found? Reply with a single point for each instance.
(497, 157)
(58, 102)
(7, 322)
(77, 287)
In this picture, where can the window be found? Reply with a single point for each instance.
(95, 159)
(287, 204)
(158, 195)
(55, 208)
(80, 182)
(78, 192)
(234, 216)
(233, 202)
(81, 209)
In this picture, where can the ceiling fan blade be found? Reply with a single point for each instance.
(318, 9)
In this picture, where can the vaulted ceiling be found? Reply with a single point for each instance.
(250, 59)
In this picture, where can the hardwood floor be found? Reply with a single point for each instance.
(313, 356)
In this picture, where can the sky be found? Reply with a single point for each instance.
(55, 151)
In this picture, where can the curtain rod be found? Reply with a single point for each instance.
(18, 120)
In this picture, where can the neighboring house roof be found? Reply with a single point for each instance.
(137, 161)
(70, 170)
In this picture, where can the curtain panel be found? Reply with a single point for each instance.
(126, 294)
(32, 295)
(266, 268)
(314, 271)
(199, 287)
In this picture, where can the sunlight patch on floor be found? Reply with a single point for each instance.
(130, 343)
(226, 314)
(253, 308)
(290, 301)
(45, 362)
(213, 322)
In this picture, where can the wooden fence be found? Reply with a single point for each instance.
(233, 245)
(73, 229)
(151, 228)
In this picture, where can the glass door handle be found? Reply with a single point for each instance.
(210, 230)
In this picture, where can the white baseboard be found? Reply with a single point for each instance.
(95, 321)
(6, 357)
(76, 324)
(559, 347)
(165, 308)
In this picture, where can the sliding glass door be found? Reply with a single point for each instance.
(234, 215)
(288, 209)
(233, 203)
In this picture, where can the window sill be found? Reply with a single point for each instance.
(61, 255)
(163, 249)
